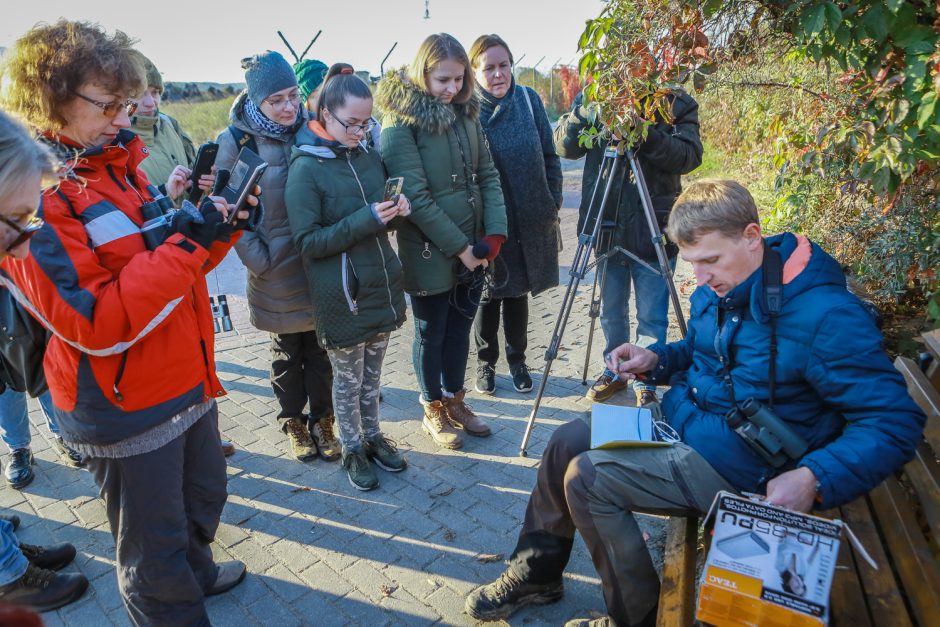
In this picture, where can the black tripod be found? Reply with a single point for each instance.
(612, 166)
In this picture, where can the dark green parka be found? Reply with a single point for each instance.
(353, 272)
(440, 151)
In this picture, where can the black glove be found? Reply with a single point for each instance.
(205, 233)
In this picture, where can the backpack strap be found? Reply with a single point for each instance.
(772, 271)
(528, 101)
(243, 139)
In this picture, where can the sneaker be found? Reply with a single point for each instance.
(301, 444)
(19, 472)
(69, 456)
(323, 435)
(606, 386)
(436, 424)
(384, 453)
(645, 396)
(55, 557)
(361, 473)
(500, 599)
(486, 379)
(606, 621)
(462, 417)
(44, 590)
(228, 575)
(520, 378)
(228, 447)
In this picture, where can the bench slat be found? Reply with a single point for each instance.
(924, 474)
(677, 595)
(847, 599)
(885, 603)
(932, 340)
(925, 395)
(915, 564)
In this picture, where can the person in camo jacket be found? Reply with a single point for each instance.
(339, 220)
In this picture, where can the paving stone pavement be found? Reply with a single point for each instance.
(318, 551)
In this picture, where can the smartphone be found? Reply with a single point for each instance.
(205, 159)
(393, 188)
(245, 175)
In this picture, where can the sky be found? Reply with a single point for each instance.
(204, 40)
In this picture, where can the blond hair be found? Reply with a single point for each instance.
(46, 67)
(434, 50)
(21, 157)
(484, 43)
(711, 205)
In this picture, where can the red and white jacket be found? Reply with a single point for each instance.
(133, 337)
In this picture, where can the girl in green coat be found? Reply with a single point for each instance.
(432, 137)
(338, 219)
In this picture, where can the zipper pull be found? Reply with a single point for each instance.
(426, 253)
(453, 181)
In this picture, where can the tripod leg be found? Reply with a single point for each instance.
(600, 272)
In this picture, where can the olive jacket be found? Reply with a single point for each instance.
(353, 273)
(450, 180)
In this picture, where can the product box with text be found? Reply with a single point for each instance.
(767, 565)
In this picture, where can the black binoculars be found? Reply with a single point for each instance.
(768, 435)
(157, 215)
(220, 314)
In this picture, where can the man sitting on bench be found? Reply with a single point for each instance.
(771, 321)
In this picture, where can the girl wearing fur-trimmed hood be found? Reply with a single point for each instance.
(432, 137)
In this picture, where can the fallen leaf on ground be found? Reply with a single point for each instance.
(449, 535)
(387, 590)
(489, 558)
(446, 492)
(302, 489)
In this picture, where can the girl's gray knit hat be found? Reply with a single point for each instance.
(267, 73)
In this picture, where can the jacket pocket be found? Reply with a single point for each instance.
(350, 283)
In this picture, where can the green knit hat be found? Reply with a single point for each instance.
(153, 75)
(310, 73)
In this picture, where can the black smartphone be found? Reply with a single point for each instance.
(393, 188)
(205, 159)
(245, 175)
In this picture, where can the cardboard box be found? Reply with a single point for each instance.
(768, 566)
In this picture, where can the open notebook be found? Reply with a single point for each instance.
(614, 426)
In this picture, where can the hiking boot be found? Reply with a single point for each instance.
(19, 472)
(324, 436)
(437, 425)
(486, 379)
(361, 473)
(520, 378)
(462, 417)
(228, 447)
(384, 453)
(301, 444)
(645, 396)
(44, 590)
(55, 557)
(69, 456)
(606, 386)
(500, 599)
(606, 621)
(228, 575)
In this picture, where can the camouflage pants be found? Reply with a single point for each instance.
(357, 371)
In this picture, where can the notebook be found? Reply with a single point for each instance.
(614, 426)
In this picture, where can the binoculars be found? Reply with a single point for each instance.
(768, 435)
(157, 214)
(220, 314)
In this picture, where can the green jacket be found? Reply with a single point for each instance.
(440, 151)
(168, 145)
(353, 273)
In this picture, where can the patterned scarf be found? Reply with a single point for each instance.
(267, 124)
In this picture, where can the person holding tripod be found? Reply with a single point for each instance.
(672, 148)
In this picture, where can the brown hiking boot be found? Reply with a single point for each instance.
(439, 428)
(462, 417)
(646, 397)
(323, 435)
(605, 387)
(301, 444)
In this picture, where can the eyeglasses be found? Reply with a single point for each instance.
(355, 128)
(278, 103)
(110, 109)
(23, 233)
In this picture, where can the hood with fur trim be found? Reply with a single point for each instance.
(404, 103)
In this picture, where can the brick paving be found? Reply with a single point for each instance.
(320, 552)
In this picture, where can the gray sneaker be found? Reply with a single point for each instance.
(385, 454)
(500, 599)
(361, 473)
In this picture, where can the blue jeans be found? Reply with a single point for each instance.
(652, 305)
(14, 418)
(442, 340)
(12, 561)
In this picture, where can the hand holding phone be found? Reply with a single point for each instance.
(393, 188)
(205, 159)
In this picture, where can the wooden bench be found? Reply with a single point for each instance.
(898, 523)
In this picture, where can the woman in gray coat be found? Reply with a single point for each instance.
(266, 118)
(520, 139)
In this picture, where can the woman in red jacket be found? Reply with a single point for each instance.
(130, 364)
